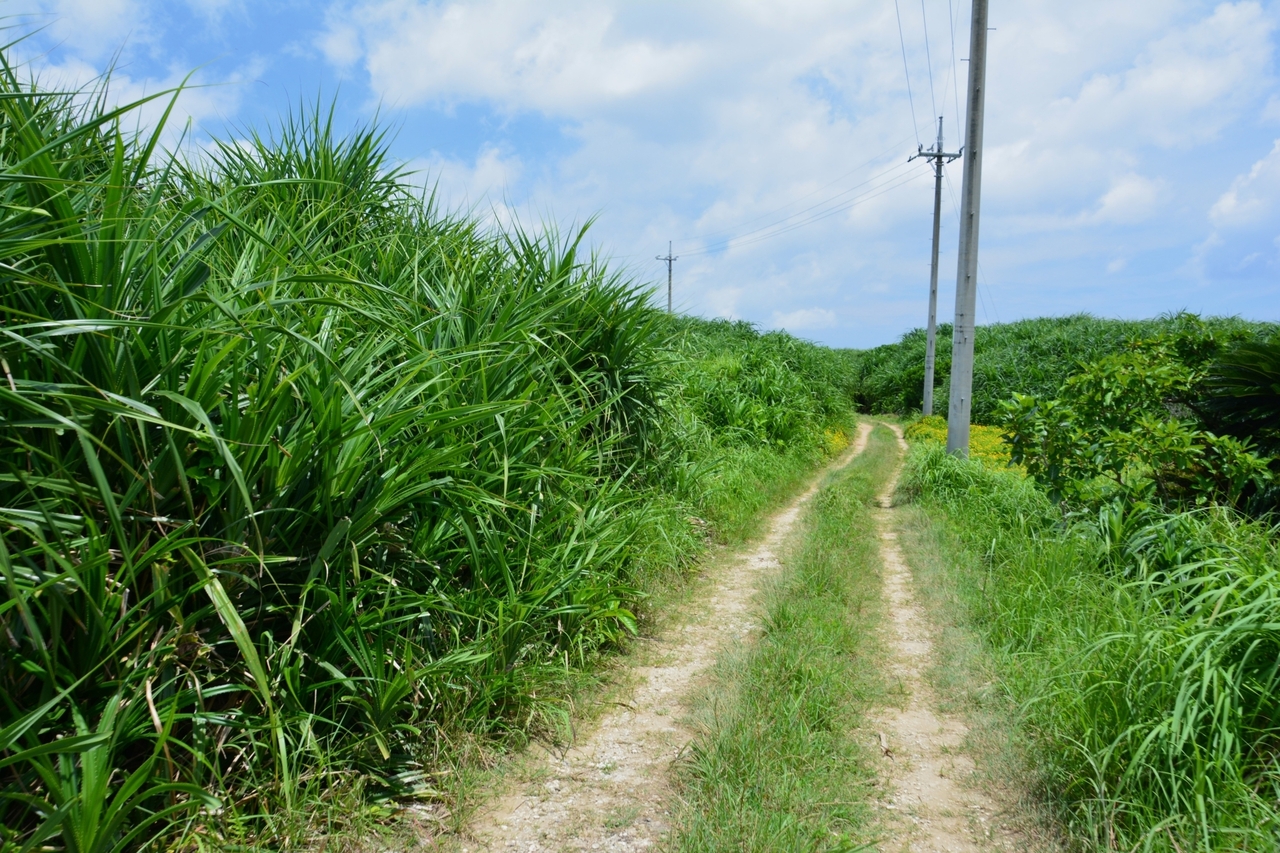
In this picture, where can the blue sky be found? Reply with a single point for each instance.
(1132, 163)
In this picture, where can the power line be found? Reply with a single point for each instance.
(849, 205)
(782, 227)
(902, 41)
(828, 214)
(924, 17)
(855, 169)
(784, 220)
(955, 79)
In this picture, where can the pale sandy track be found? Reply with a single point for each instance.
(611, 790)
(933, 803)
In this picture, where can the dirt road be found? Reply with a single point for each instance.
(932, 804)
(610, 791)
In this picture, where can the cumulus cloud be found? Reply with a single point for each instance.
(196, 103)
(1245, 220)
(805, 319)
(479, 185)
(1207, 69)
(522, 55)
(1252, 196)
(91, 45)
(1178, 85)
(95, 29)
(723, 302)
(1131, 198)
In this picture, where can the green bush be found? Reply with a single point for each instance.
(766, 389)
(1243, 392)
(1124, 424)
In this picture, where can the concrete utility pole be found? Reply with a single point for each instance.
(939, 157)
(670, 259)
(967, 264)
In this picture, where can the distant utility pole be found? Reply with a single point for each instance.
(670, 259)
(967, 264)
(939, 157)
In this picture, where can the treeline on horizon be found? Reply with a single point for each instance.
(1033, 356)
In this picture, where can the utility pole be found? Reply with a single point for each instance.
(670, 259)
(967, 263)
(939, 157)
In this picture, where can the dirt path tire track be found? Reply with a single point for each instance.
(611, 791)
(933, 803)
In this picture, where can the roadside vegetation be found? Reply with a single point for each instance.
(1124, 577)
(778, 764)
(986, 443)
(310, 489)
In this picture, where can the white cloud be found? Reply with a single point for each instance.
(1245, 219)
(1131, 198)
(1252, 196)
(480, 185)
(98, 27)
(805, 319)
(340, 44)
(98, 44)
(214, 11)
(517, 54)
(723, 302)
(197, 103)
(1062, 127)
(1207, 69)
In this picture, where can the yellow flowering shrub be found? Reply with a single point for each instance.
(834, 440)
(985, 442)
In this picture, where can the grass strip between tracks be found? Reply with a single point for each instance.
(777, 765)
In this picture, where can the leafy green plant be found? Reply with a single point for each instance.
(1123, 423)
(1244, 391)
(303, 480)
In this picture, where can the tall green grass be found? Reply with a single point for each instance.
(1143, 648)
(303, 480)
(751, 414)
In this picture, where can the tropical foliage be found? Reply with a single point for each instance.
(1244, 392)
(303, 479)
(1128, 424)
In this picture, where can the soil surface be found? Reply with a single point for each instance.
(934, 803)
(610, 791)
